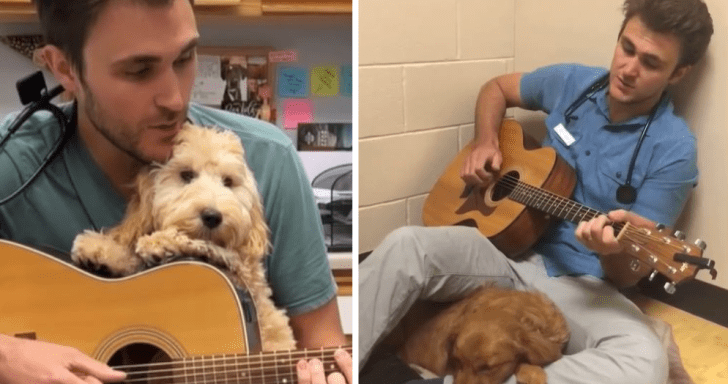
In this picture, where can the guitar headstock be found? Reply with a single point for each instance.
(666, 252)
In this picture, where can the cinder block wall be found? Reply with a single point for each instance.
(422, 63)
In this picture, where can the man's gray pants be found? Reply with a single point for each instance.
(611, 340)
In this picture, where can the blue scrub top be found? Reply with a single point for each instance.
(665, 170)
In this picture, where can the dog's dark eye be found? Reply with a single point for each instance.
(227, 181)
(187, 176)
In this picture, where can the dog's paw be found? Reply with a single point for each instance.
(530, 374)
(158, 247)
(167, 244)
(100, 254)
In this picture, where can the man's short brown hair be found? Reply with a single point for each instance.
(688, 20)
(66, 23)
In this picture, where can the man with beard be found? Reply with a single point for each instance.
(130, 65)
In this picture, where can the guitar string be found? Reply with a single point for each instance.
(551, 197)
(255, 358)
(632, 233)
(227, 369)
(263, 361)
(590, 213)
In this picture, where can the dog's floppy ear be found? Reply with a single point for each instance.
(223, 68)
(542, 345)
(431, 345)
(138, 220)
(256, 243)
(544, 331)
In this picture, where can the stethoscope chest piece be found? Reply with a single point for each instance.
(626, 194)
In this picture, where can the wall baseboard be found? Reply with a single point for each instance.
(697, 297)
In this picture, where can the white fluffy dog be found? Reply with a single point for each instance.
(203, 202)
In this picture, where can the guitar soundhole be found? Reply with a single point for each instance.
(505, 185)
(143, 363)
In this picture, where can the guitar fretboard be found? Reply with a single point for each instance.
(549, 202)
(277, 367)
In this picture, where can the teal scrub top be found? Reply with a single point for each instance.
(72, 194)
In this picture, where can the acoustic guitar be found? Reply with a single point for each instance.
(180, 322)
(531, 190)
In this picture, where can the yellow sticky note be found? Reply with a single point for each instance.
(325, 80)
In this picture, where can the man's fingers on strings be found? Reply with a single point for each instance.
(336, 378)
(96, 369)
(344, 361)
(484, 177)
(303, 372)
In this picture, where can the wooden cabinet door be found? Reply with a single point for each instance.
(217, 2)
(17, 11)
(306, 6)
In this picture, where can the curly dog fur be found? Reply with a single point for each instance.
(204, 203)
(486, 337)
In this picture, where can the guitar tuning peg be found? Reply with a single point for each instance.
(680, 235)
(670, 288)
(652, 275)
(701, 244)
(660, 226)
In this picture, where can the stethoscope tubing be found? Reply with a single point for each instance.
(42, 104)
(626, 193)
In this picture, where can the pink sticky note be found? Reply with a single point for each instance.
(296, 111)
(283, 56)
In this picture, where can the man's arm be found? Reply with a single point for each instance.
(319, 328)
(29, 361)
(494, 97)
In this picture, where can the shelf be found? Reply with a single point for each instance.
(17, 13)
(340, 260)
(24, 12)
(305, 6)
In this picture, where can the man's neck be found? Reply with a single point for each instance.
(621, 112)
(119, 167)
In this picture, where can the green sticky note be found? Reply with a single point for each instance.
(325, 80)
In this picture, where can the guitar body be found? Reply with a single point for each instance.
(511, 226)
(178, 323)
(181, 309)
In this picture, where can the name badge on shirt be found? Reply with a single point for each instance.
(564, 134)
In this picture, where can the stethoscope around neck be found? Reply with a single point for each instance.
(35, 95)
(626, 193)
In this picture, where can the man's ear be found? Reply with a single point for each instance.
(678, 74)
(57, 62)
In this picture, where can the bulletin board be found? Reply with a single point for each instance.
(301, 88)
(238, 80)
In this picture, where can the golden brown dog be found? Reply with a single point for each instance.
(486, 337)
(203, 202)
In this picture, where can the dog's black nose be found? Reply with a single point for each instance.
(211, 218)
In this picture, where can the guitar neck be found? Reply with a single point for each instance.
(550, 203)
(278, 367)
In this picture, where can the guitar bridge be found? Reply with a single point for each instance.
(26, 335)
